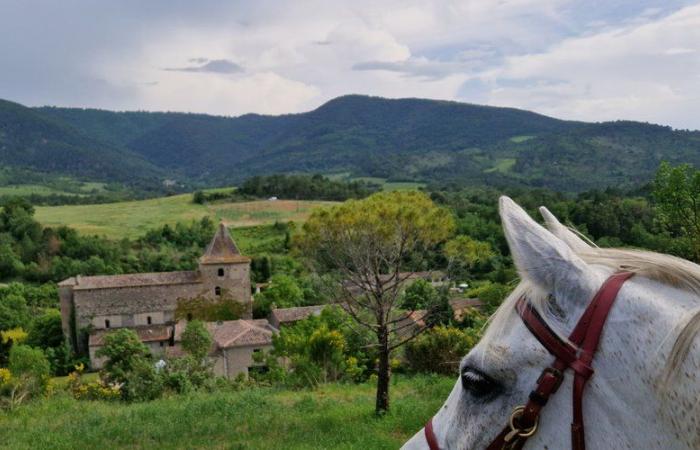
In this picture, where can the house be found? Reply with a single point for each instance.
(91, 305)
(460, 306)
(280, 317)
(156, 337)
(234, 342)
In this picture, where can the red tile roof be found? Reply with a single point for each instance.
(235, 333)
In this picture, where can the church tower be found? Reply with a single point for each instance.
(225, 272)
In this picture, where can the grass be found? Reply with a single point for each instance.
(519, 139)
(334, 416)
(134, 218)
(503, 165)
(385, 185)
(29, 189)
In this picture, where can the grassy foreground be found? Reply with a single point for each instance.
(134, 218)
(333, 416)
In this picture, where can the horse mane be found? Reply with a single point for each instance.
(665, 269)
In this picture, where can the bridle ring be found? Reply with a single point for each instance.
(521, 432)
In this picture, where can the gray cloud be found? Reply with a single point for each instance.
(431, 70)
(214, 66)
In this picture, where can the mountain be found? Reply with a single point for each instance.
(30, 139)
(407, 139)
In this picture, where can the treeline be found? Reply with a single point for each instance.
(290, 187)
(31, 252)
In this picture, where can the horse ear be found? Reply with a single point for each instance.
(540, 256)
(570, 238)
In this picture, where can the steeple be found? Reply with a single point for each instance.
(222, 249)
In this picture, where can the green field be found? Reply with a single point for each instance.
(503, 165)
(134, 218)
(335, 416)
(385, 185)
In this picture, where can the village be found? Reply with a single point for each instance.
(93, 306)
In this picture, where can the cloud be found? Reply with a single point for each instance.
(643, 71)
(589, 60)
(214, 66)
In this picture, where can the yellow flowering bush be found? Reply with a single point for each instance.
(96, 390)
(5, 375)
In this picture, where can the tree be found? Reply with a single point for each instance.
(463, 253)
(196, 339)
(370, 244)
(677, 197)
(419, 295)
(440, 349)
(284, 292)
(46, 331)
(123, 350)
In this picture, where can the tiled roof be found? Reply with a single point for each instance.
(458, 304)
(288, 315)
(222, 249)
(146, 334)
(235, 333)
(132, 280)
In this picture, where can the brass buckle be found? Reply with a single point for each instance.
(556, 373)
(516, 433)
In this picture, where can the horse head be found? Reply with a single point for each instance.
(645, 389)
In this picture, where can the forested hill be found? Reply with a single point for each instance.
(406, 139)
(31, 139)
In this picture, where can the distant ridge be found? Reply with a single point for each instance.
(406, 139)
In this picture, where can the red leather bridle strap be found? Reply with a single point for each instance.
(576, 354)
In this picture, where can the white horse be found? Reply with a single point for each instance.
(645, 393)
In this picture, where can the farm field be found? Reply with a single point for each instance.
(134, 218)
(338, 416)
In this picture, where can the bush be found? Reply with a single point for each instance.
(124, 351)
(143, 382)
(25, 360)
(440, 350)
(196, 340)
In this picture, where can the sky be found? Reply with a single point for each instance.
(590, 60)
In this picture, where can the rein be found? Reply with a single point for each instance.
(577, 354)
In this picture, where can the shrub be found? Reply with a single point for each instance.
(143, 382)
(124, 350)
(196, 339)
(97, 390)
(25, 360)
(440, 349)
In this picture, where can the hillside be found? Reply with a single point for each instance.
(30, 139)
(132, 219)
(335, 416)
(404, 139)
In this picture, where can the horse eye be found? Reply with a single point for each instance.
(478, 383)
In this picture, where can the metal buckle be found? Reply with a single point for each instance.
(516, 433)
(556, 373)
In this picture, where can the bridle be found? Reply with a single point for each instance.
(577, 354)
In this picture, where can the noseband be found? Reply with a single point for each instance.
(577, 354)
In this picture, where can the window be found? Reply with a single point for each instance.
(106, 323)
(257, 350)
(148, 320)
(162, 344)
(221, 271)
(189, 316)
(217, 290)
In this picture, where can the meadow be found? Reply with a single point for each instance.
(338, 416)
(133, 218)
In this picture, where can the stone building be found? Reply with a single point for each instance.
(234, 342)
(146, 302)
